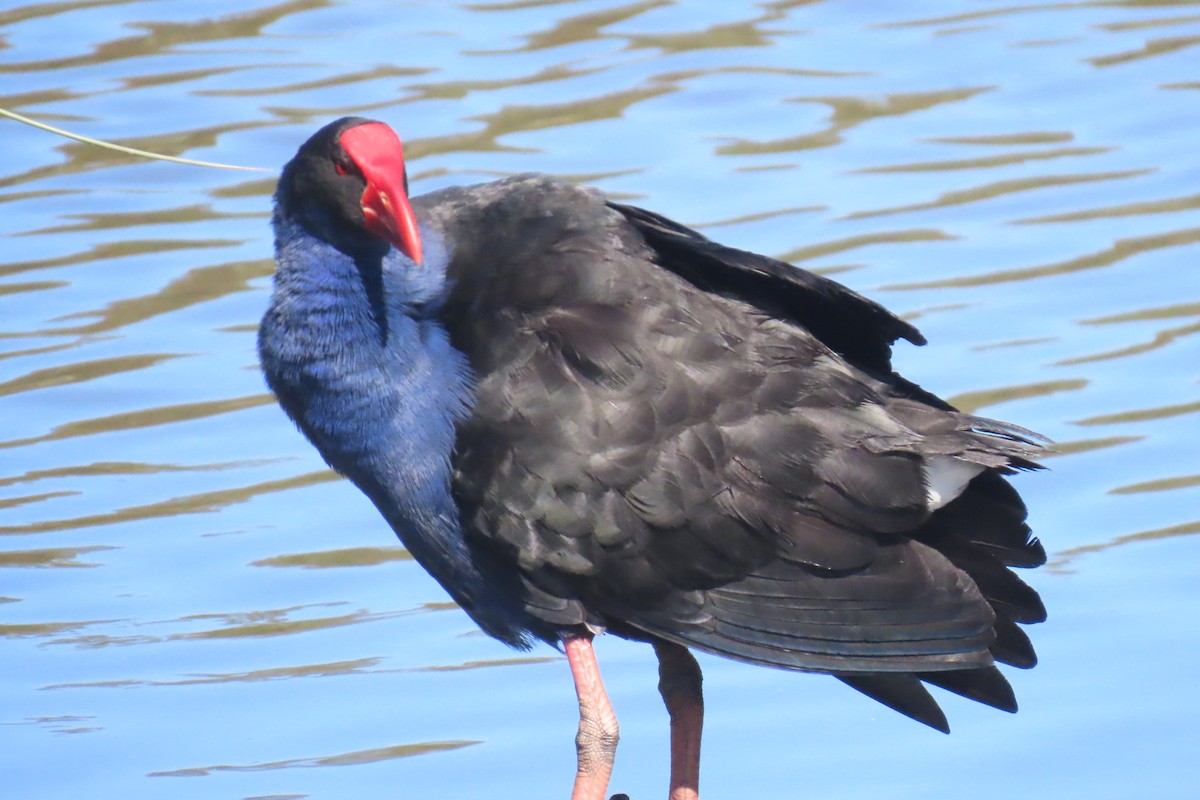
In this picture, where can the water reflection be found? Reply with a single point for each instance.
(50, 556)
(346, 557)
(849, 112)
(1017, 178)
(338, 760)
(205, 502)
(1168, 206)
(356, 667)
(1065, 558)
(1161, 338)
(989, 191)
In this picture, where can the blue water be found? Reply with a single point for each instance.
(192, 606)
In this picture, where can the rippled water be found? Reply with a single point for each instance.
(192, 606)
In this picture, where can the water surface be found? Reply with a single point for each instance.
(192, 606)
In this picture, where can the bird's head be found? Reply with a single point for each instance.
(347, 185)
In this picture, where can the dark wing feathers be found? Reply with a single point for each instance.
(992, 516)
(684, 441)
(904, 693)
(984, 685)
(795, 616)
(850, 324)
(1012, 645)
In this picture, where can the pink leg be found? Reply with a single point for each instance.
(679, 681)
(596, 741)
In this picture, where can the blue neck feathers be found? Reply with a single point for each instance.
(356, 354)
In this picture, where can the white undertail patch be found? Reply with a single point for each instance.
(946, 477)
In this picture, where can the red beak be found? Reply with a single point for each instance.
(376, 150)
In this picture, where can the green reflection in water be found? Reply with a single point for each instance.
(346, 557)
(339, 760)
(203, 502)
(51, 557)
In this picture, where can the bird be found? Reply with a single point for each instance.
(580, 416)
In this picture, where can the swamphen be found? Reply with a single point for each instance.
(581, 416)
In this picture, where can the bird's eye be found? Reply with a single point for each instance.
(340, 168)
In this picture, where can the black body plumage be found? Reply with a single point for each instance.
(580, 414)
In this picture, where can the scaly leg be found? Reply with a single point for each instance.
(679, 683)
(596, 741)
